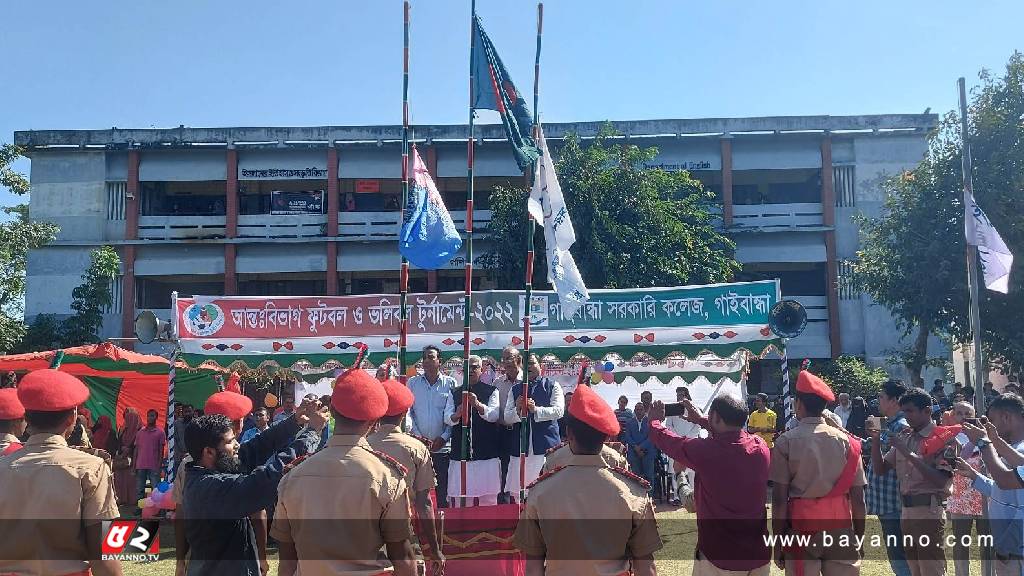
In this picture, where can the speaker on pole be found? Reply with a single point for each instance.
(149, 328)
(787, 319)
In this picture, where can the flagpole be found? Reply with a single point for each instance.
(468, 298)
(403, 282)
(972, 256)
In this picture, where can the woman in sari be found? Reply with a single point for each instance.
(124, 476)
(101, 434)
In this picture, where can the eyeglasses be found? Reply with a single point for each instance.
(474, 367)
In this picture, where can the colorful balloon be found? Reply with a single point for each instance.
(163, 487)
(608, 377)
(150, 513)
(609, 366)
(595, 378)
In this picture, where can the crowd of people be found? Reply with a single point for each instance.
(349, 483)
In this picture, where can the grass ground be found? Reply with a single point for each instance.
(677, 528)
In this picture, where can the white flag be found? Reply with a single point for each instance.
(995, 257)
(547, 206)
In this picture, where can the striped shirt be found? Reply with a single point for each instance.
(883, 492)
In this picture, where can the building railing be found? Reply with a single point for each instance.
(352, 226)
(777, 216)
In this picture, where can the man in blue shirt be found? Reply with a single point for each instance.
(882, 496)
(1003, 436)
(431, 413)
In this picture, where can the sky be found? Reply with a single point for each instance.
(77, 65)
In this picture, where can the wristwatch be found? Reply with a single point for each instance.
(982, 442)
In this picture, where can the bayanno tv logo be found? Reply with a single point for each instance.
(131, 540)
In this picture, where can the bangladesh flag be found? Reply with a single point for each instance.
(493, 90)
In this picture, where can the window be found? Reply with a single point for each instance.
(281, 287)
(796, 186)
(205, 198)
(794, 279)
(155, 292)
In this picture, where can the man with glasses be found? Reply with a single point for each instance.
(508, 430)
(484, 446)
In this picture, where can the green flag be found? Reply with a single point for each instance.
(493, 90)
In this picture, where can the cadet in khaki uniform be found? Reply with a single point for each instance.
(585, 518)
(59, 495)
(925, 483)
(12, 421)
(340, 506)
(819, 488)
(414, 455)
(561, 454)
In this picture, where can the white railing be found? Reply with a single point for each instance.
(777, 216)
(180, 227)
(282, 226)
(364, 226)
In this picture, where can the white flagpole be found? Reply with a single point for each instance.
(972, 259)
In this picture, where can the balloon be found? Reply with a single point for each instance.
(598, 367)
(162, 487)
(148, 502)
(609, 366)
(608, 377)
(141, 503)
(595, 378)
(270, 401)
(148, 513)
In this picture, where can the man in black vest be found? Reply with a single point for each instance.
(485, 445)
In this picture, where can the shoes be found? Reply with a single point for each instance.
(675, 502)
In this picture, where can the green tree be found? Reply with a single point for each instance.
(43, 334)
(635, 226)
(91, 298)
(851, 375)
(913, 256)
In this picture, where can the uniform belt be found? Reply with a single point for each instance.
(915, 500)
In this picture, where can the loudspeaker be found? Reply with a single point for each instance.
(787, 319)
(149, 328)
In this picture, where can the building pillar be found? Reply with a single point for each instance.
(231, 224)
(727, 179)
(131, 232)
(230, 270)
(828, 213)
(333, 207)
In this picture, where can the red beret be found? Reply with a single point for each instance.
(10, 406)
(51, 391)
(231, 404)
(811, 384)
(589, 408)
(400, 398)
(359, 396)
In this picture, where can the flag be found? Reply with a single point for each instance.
(995, 257)
(547, 206)
(493, 90)
(428, 238)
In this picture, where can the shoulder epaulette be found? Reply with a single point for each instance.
(390, 460)
(291, 465)
(553, 448)
(639, 479)
(545, 476)
(424, 439)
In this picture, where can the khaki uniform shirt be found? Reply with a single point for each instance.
(561, 455)
(912, 482)
(810, 458)
(179, 479)
(410, 452)
(340, 506)
(6, 440)
(587, 519)
(53, 491)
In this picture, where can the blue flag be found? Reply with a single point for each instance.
(428, 238)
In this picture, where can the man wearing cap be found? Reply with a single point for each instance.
(12, 421)
(819, 488)
(560, 455)
(925, 482)
(413, 454)
(59, 495)
(343, 504)
(586, 518)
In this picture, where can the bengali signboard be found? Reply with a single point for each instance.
(306, 202)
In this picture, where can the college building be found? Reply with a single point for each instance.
(315, 210)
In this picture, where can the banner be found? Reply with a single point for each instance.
(308, 202)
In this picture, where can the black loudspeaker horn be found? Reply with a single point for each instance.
(149, 328)
(787, 319)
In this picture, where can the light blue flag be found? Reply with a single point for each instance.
(428, 239)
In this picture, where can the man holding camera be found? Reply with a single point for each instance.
(925, 482)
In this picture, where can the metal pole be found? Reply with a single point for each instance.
(972, 259)
(403, 282)
(787, 395)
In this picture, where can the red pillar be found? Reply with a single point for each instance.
(231, 224)
(333, 207)
(828, 212)
(131, 232)
(727, 179)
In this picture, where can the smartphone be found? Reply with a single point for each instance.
(949, 454)
(675, 409)
(974, 421)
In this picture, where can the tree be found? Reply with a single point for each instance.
(635, 226)
(91, 298)
(17, 236)
(913, 256)
(851, 375)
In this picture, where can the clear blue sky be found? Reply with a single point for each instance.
(69, 64)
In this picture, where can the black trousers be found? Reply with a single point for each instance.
(440, 461)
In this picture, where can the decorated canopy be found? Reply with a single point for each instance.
(653, 324)
(119, 378)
